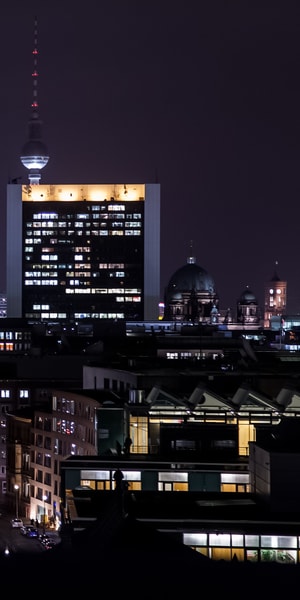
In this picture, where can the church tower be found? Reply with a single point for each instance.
(275, 297)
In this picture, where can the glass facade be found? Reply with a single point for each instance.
(253, 548)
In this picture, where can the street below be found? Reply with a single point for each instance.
(12, 541)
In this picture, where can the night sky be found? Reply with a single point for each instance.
(201, 97)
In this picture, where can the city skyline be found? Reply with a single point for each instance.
(202, 100)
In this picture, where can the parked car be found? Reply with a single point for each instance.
(49, 544)
(47, 541)
(17, 522)
(29, 531)
(44, 538)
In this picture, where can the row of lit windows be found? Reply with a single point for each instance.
(100, 315)
(46, 257)
(50, 229)
(106, 291)
(111, 265)
(124, 298)
(82, 290)
(163, 476)
(29, 248)
(96, 226)
(14, 347)
(241, 540)
(52, 282)
(23, 393)
(128, 299)
(80, 315)
(76, 266)
(200, 355)
(78, 274)
(95, 233)
(49, 279)
(45, 216)
(116, 221)
(94, 209)
(15, 335)
(118, 232)
(262, 554)
(46, 315)
(82, 222)
(41, 307)
(82, 265)
(82, 270)
(44, 274)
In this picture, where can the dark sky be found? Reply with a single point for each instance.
(200, 96)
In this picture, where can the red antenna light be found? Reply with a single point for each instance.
(35, 74)
(34, 154)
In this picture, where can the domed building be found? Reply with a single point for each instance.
(247, 308)
(191, 296)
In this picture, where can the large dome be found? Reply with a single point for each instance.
(191, 277)
(190, 294)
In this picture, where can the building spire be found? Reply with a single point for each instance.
(191, 259)
(34, 153)
(275, 274)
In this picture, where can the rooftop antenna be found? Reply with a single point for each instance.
(34, 152)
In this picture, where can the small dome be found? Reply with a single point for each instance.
(247, 297)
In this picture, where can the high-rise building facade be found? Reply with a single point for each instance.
(83, 251)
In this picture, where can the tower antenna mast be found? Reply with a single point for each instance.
(34, 153)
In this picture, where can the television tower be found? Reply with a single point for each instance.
(34, 152)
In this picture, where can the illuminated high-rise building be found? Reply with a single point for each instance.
(83, 251)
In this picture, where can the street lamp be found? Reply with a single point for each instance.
(44, 520)
(16, 488)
